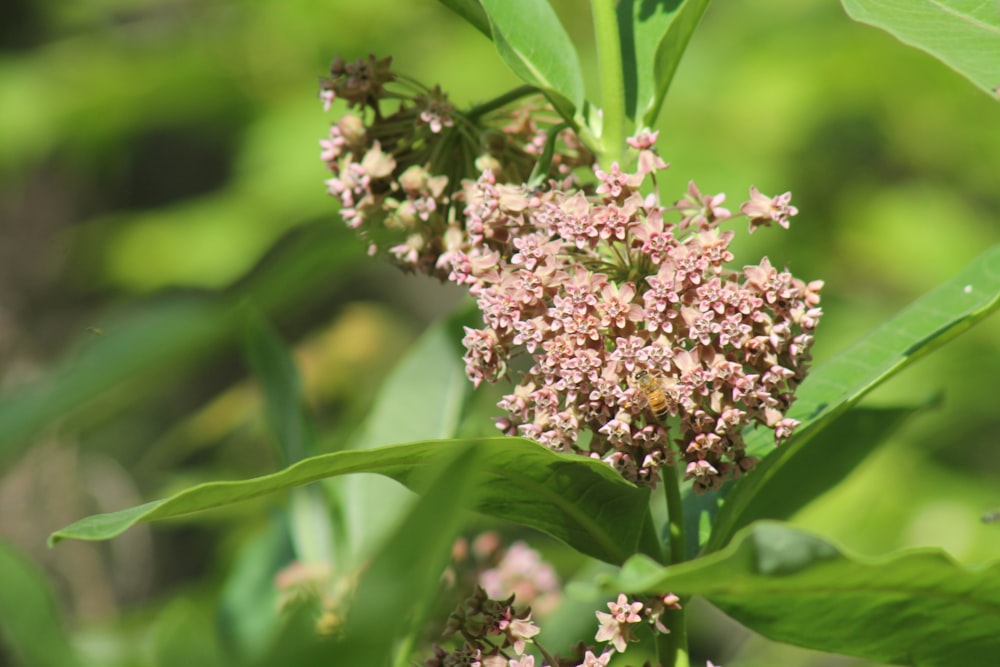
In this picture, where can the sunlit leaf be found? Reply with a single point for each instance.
(917, 607)
(654, 36)
(534, 44)
(575, 499)
(471, 11)
(831, 388)
(963, 34)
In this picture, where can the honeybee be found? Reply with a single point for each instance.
(652, 389)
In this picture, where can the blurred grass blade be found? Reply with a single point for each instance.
(833, 387)
(403, 577)
(397, 583)
(654, 36)
(580, 501)
(963, 35)
(421, 399)
(248, 606)
(281, 386)
(284, 405)
(29, 622)
(917, 607)
(147, 344)
(168, 334)
(531, 40)
(184, 633)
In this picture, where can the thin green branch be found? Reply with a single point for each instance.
(501, 101)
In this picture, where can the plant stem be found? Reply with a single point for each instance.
(609, 56)
(672, 648)
(675, 514)
(498, 102)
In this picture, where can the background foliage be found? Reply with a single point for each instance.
(160, 172)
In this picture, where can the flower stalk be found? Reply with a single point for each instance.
(672, 648)
(609, 56)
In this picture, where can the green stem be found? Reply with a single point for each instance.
(672, 648)
(475, 112)
(609, 55)
(675, 514)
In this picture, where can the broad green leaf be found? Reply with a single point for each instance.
(472, 12)
(807, 467)
(831, 388)
(963, 34)
(529, 37)
(654, 36)
(29, 620)
(917, 607)
(575, 499)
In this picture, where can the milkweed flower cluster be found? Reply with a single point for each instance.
(494, 634)
(594, 284)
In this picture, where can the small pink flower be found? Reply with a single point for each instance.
(591, 660)
(519, 631)
(701, 210)
(643, 140)
(762, 210)
(616, 626)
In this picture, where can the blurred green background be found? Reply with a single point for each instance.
(159, 167)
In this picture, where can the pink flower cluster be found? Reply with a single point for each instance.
(399, 161)
(635, 331)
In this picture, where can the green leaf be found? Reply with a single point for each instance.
(529, 37)
(806, 468)
(831, 388)
(162, 335)
(472, 12)
(284, 406)
(654, 36)
(403, 577)
(421, 399)
(184, 634)
(917, 607)
(29, 621)
(279, 379)
(148, 343)
(963, 34)
(248, 617)
(575, 499)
